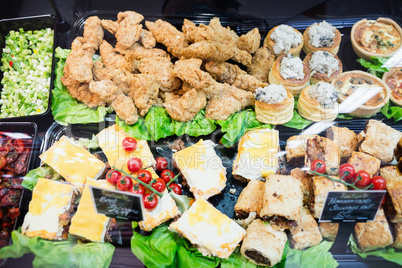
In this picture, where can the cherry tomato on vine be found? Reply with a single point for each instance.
(150, 202)
(167, 175)
(124, 183)
(161, 163)
(176, 188)
(318, 166)
(134, 164)
(159, 185)
(362, 179)
(137, 189)
(145, 176)
(129, 144)
(347, 172)
(379, 183)
(112, 176)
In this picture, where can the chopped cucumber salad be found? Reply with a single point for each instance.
(26, 64)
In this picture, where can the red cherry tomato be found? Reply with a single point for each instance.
(150, 202)
(19, 145)
(167, 175)
(362, 179)
(176, 188)
(137, 189)
(124, 183)
(379, 183)
(129, 144)
(145, 176)
(159, 185)
(112, 176)
(347, 172)
(134, 164)
(161, 163)
(318, 166)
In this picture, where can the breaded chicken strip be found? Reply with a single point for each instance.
(250, 41)
(80, 62)
(112, 95)
(112, 58)
(110, 26)
(144, 92)
(263, 60)
(207, 50)
(162, 69)
(195, 34)
(166, 34)
(147, 39)
(120, 77)
(129, 29)
(93, 34)
(242, 56)
(138, 51)
(184, 108)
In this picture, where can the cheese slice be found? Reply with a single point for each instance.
(257, 154)
(110, 141)
(87, 223)
(214, 233)
(73, 162)
(50, 200)
(202, 169)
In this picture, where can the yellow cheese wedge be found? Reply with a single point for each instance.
(110, 141)
(87, 223)
(73, 162)
(50, 200)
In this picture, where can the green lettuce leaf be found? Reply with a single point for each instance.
(138, 130)
(65, 109)
(182, 201)
(390, 254)
(390, 111)
(317, 256)
(159, 123)
(374, 66)
(91, 143)
(344, 116)
(200, 125)
(69, 253)
(33, 175)
(298, 121)
(237, 124)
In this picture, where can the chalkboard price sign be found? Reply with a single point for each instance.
(351, 206)
(117, 204)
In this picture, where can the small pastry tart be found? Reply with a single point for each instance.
(290, 72)
(273, 105)
(393, 79)
(284, 39)
(318, 102)
(349, 82)
(321, 37)
(379, 38)
(323, 65)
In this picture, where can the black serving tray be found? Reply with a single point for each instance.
(29, 23)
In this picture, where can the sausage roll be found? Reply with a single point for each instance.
(262, 244)
(321, 37)
(296, 149)
(250, 199)
(365, 162)
(306, 234)
(398, 150)
(393, 201)
(321, 186)
(324, 149)
(284, 39)
(305, 180)
(283, 201)
(379, 140)
(398, 235)
(375, 234)
(346, 138)
(390, 172)
(328, 230)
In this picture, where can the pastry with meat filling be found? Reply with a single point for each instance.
(398, 235)
(250, 201)
(306, 234)
(390, 172)
(393, 79)
(305, 180)
(284, 39)
(328, 230)
(346, 138)
(321, 37)
(296, 149)
(326, 150)
(365, 162)
(324, 66)
(393, 201)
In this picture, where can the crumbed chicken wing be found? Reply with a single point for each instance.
(128, 18)
(138, 51)
(144, 92)
(262, 62)
(184, 108)
(248, 82)
(162, 69)
(207, 50)
(111, 58)
(93, 34)
(80, 62)
(147, 39)
(111, 94)
(166, 34)
(129, 29)
(250, 41)
(110, 26)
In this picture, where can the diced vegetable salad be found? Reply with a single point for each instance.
(26, 64)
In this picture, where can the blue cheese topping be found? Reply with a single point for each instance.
(285, 38)
(271, 94)
(321, 34)
(291, 68)
(325, 94)
(323, 62)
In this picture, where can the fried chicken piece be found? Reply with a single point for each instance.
(242, 56)
(93, 34)
(184, 108)
(263, 60)
(110, 26)
(129, 29)
(147, 39)
(166, 34)
(207, 50)
(129, 18)
(195, 34)
(111, 58)
(111, 94)
(223, 34)
(138, 51)
(80, 62)
(162, 69)
(144, 92)
(250, 41)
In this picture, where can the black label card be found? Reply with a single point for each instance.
(351, 206)
(117, 204)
